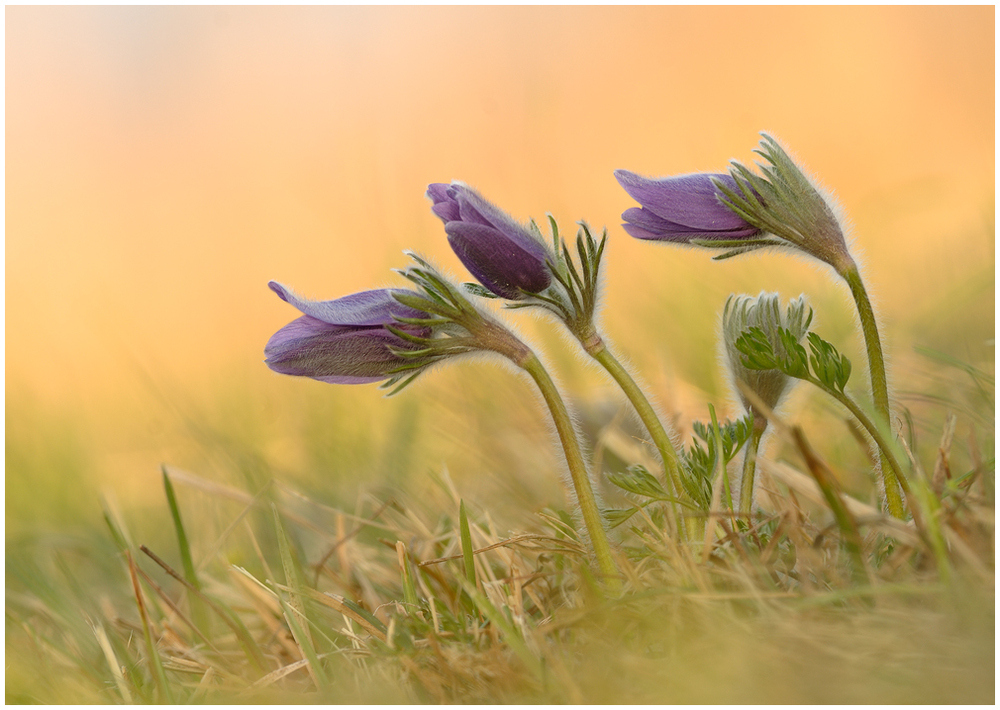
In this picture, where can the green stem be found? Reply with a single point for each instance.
(892, 469)
(671, 462)
(577, 470)
(750, 467)
(880, 388)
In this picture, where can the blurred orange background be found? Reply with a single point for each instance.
(163, 163)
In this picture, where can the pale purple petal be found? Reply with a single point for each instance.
(643, 224)
(367, 308)
(682, 208)
(444, 205)
(688, 200)
(475, 209)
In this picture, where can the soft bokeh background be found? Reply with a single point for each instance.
(164, 163)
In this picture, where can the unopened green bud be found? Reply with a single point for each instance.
(764, 312)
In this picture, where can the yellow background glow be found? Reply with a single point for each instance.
(162, 164)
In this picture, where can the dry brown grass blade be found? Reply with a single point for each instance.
(959, 546)
(248, 642)
(562, 547)
(273, 677)
(112, 659)
(345, 537)
(338, 605)
(268, 609)
(942, 468)
(147, 628)
(804, 485)
(834, 496)
(175, 609)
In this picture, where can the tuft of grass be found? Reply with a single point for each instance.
(267, 592)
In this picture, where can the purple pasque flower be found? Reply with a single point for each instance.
(503, 255)
(345, 341)
(682, 209)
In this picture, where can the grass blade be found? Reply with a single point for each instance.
(295, 607)
(182, 541)
(467, 552)
(155, 665)
(409, 591)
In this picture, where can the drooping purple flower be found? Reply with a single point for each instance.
(503, 255)
(682, 208)
(344, 341)
(740, 211)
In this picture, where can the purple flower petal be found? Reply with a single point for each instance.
(444, 206)
(502, 265)
(502, 254)
(308, 347)
(344, 341)
(643, 224)
(367, 308)
(687, 206)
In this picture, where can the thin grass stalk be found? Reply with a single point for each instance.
(112, 659)
(409, 590)
(155, 665)
(721, 458)
(831, 492)
(889, 461)
(231, 620)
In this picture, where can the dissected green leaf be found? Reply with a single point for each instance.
(636, 479)
(617, 516)
(830, 367)
(701, 456)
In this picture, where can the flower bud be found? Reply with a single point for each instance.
(502, 255)
(345, 341)
(764, 312)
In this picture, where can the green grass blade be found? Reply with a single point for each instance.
(467, 552)
(295, 607)
(182, 541)
(304, 641)
(199, 615)
(510, 634)
(409, 591)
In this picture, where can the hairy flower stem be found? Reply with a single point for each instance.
(750, 467)
(880, 388)
(892, 470)
(578, 472)
(671, 464)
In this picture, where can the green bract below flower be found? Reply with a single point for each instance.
(785, 204)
